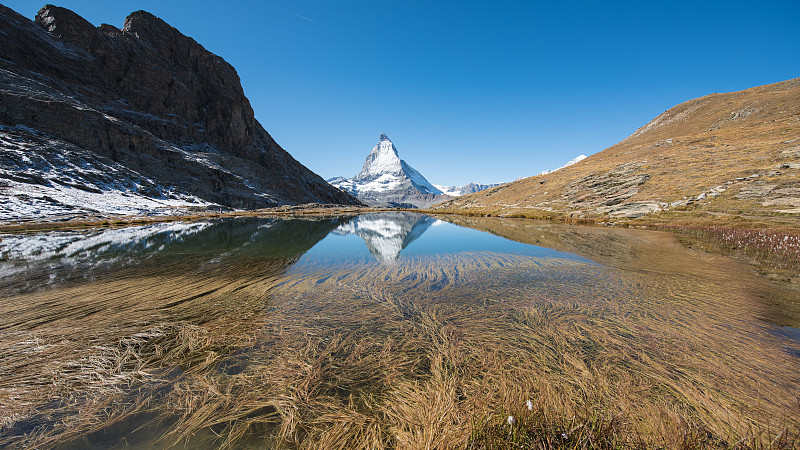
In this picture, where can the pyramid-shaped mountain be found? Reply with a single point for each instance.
(387, 180)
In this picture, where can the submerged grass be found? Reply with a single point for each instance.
(430, 352)
(777, 248)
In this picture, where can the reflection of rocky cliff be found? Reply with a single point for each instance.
(252, 245)
(386, 234)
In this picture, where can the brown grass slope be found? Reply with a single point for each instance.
(723, 154)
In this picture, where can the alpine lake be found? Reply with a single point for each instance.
(389, 329)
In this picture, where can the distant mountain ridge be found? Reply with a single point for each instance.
(455, 191)
(162, 121)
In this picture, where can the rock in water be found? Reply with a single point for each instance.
(143, 100)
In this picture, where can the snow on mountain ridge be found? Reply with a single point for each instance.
(457, 191)
(572, 161)
(418, 180)
(453, 191)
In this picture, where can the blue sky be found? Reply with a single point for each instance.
(481, 91)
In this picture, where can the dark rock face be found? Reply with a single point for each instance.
(152, 99)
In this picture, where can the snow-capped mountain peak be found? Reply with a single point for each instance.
(387, 180)
(383, 159)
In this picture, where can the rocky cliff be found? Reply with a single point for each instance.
(143, 99)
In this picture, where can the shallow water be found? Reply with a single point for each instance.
(376, 329)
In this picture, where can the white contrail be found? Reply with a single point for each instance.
(298, 15)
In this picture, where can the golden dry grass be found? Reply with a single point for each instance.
(700, 144)
(659, 348)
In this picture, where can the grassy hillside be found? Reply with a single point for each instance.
(733, 156)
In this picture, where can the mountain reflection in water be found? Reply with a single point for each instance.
(387, 234)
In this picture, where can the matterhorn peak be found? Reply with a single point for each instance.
(387, 180)
(383, 159)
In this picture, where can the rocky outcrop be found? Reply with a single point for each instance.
(149, 98)
(782, 194)
(606, 189)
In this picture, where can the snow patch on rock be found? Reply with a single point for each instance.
(45, 178)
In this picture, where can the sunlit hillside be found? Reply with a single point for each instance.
(733, 153)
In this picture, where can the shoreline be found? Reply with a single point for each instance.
(770, 244)
(49, 224)
(761, 239)
(666, 220)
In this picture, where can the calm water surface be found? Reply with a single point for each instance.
(262, 331)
